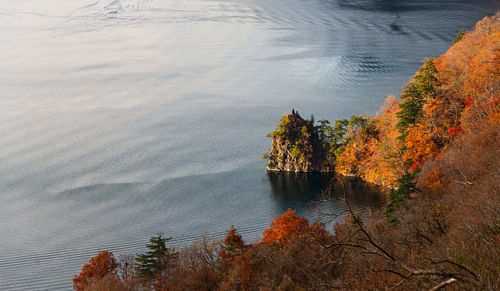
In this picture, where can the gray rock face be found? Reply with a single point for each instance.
(296, 147)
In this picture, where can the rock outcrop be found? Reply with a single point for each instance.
(296, 147)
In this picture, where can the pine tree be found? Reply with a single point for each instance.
(459, 36)
(155, 260)
(427, 80)
(414, 95)
(324, 130)
(339, 130)
(398, 196)
(410, 108)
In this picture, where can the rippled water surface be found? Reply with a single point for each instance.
(122, 118)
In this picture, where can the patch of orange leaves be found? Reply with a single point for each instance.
(285, 227)
(97, 268)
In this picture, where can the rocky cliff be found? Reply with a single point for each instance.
(296, 147)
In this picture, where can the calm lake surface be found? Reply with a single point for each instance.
(123, 118)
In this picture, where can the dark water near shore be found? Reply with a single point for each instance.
(122, 118)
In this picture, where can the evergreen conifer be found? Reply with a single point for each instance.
(156, 259)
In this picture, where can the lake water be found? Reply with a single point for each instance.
(123, 118)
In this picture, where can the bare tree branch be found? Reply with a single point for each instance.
(417, 272)
(443, 284)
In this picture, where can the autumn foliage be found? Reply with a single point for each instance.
(419, 144)
(98, 267)
(284, 227)
(374, 154)
(232, 244)
(437, 148)
(449, 96)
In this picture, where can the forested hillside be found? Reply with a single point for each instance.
(436, 147)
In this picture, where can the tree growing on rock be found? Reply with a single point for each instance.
(297, 146)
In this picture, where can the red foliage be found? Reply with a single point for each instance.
(392, 108)
(491, 102)
(468, 102)
(97, 268)
(284, 227)
(454, 130)
(416, 165)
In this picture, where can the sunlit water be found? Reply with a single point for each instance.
(123, 118)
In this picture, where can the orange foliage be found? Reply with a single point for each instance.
(434, 182)
(469, 78)
(347, 163)
(440, 114)
(419, 144)
(470, 75)
(375, 156)
(385, 166)
(97, 268)
(284, 227)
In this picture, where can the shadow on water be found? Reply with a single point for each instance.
(298, 186)
(359, 192)
(294, 190)
(389, 5)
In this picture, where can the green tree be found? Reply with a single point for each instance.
(405, 186)
(157, 259)
(414, 95)
(281, 128)
(296, 149)
(324, 130)
(410, 108)
(357, 122)
(339, 130)
(459, 36)
(426, 79)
